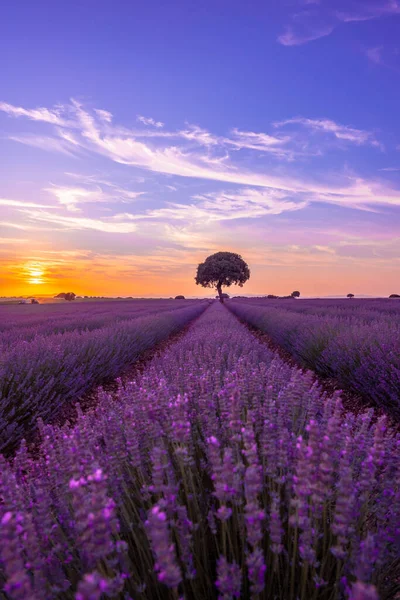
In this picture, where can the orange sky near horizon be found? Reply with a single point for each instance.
(167, 275)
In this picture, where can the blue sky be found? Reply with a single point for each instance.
(136, 138)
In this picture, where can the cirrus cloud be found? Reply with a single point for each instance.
(198, 154)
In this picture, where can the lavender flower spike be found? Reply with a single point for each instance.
(92, 587)
(165, 565)
(363, 591)
(229, 579)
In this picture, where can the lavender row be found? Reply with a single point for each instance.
(364, 309)
(220, 472)
(38, 378)
(14, 315)
(26, 322)
(363, 356)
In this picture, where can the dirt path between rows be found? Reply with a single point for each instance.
(352, 402)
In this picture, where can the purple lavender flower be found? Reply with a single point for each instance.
(95, 515)
(275, 526)
(18, 585)
(229, 579)
(363, 591)
(184, 528)
(345, 512)
(256, 567)
(254, 516)
(165, 565)
(92, 587)
(180, 466)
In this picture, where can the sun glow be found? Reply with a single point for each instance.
(34, 273)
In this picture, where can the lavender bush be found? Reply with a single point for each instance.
(219, 473)
(19, 323)
(359, 345)
(38, 377)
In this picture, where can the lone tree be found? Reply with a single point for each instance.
(295, 294)
(222, 269)
(69, 296)
(394, 296)
(350, 295)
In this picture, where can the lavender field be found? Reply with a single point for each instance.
(219, 472)
(357, 342)
(52, 354)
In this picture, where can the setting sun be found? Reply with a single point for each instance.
(34, 273)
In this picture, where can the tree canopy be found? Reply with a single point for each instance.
(296, 294)
(350, 295)
(66, 296)
(222, 269)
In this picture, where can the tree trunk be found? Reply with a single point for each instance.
(219, 290)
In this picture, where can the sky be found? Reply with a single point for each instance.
(137, 138)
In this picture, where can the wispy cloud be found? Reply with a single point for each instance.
(103, 115)
(189, 236)
(149, 121)
(259, 141)
(340, 132)
(362, 194)
(209, 159)
(11, 241)
(365, 11)
(72, 196)
(97, 180)
(375, 54)
(194, 133)
(21, 203)
(291, 37)
(239, 140)
(49, 144)
(227, 206)
(35, 114)
(81, 223)
(172, 160)
(19, 226)
(318, 21)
